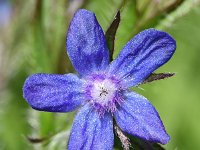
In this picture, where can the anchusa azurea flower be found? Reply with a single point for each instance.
(101, 90)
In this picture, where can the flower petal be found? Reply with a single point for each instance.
(86, 44)
(138, 117)
(53, 93)
(89, 131)
(147, 51)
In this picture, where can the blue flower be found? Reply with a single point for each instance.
(101, 90)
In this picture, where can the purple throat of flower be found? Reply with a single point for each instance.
(104, 92)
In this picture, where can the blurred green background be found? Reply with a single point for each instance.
(32, 40)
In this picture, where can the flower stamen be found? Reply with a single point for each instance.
(103, 93)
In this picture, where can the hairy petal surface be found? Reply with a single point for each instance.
(139, 118)
(53, 93)
(147, 51)
(86, 44)
(90, 132)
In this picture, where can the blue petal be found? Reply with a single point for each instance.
(138, 117)
(147, 51)
(86, 44)
(90, 132)
(53, 93)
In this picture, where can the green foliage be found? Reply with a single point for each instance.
(34, 41)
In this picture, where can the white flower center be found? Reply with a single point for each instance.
(103, 91)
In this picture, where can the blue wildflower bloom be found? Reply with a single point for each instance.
(101, 90)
